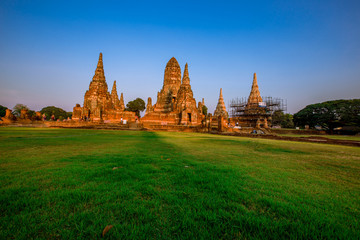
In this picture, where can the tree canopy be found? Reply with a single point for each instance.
(279, 118)
(204, 110)
(57, 112)
(17, 109)
(137, 106)
(2, 111)
(330, 114)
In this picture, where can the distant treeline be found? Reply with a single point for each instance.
(338, 115)
(49, 111)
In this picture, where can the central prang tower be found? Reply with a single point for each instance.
(172, 81)
(175, 103)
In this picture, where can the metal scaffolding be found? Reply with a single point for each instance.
(239, 107)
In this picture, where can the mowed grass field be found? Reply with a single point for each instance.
(72, 183)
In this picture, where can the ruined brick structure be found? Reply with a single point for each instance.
(99, 104)
(254, 97)
(9, 117)
(24, 117)
(175, 103)
(220, 108)
(175, 107)
(219, 121)
(254, 114)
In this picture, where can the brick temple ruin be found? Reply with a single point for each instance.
(175, 107)
(175, 104)
(219, 120)
(253, 112)
(220, 110)
(99, 104)
(23, 118)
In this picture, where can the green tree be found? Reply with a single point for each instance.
(283, 120)
(2, 111)
(330, 114)
(57, 112)
(31, 114)
(137, 106)
(204, 110)
(288, 121)
(17, 109)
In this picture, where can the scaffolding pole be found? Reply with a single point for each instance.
(239, 107)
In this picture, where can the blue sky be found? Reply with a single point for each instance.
(302, 51)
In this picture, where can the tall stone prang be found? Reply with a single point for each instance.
(185, 103)
(253, 104)
(220, 108)
(254, 114)
(97, 98)
(149, 106)
(175, 103)
(172, 77)
(99, 104)
(172, 81)
(200, 107)
(114, 96)
(122, 103)
(98, 84)
(254, 97)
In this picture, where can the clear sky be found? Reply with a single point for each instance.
(302, 51)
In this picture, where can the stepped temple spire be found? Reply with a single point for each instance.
(220, 108)
(172, 76)
(185, 103)
(172, 82)
(255, 114)
(114, 91)
(186, 78)
(149, 106)
(100, 62)
(114, 96)
(122, 104)
(99, 72)
(185, 94)
(254, 97)
(175, 103)
(99, 104)
(98, 85)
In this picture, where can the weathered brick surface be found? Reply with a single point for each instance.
(220, 108)
(175, 103)
(99, 104)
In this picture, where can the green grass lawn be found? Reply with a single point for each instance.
(72, 183)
